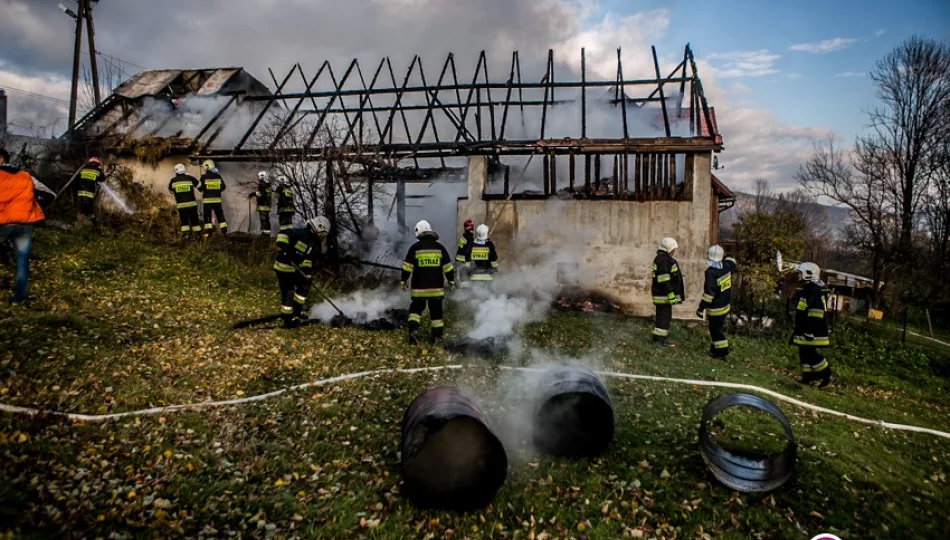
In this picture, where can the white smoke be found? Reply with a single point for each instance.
(361, 305)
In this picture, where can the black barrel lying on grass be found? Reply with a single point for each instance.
(751, 472)
(573, 416)
(451, 458)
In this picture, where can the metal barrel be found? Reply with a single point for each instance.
(451, 457)
(573, 416)
(752, 472)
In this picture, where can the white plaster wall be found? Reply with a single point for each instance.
(241, 180)
(613, 241)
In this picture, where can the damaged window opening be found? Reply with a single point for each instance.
(638, 176)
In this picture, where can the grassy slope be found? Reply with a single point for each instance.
(121, 324)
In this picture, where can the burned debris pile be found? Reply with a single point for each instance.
(477, 348)
(392, 319)
(577, 299)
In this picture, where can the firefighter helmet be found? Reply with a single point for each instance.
(715, 254)
(422, 227)
(207, 165)
(469, 225)
(262, 175)
(95, 160)
(180, 169)
(668, 245)
(810, 271)
(319, 225)
(481, 233)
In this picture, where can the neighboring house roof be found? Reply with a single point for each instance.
(720, 189)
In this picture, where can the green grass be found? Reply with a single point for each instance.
(121, 324)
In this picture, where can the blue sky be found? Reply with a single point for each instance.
(807, 88)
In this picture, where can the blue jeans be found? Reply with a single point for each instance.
(22, 238)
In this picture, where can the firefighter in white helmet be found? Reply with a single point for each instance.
(811, 326)
(183, 187)
(717, 297)
(212, 187)
(667, 289)
(429, 265)
(262, 198)
(483, 257)
(299, 251)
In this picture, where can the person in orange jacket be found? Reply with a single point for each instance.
(19, 210)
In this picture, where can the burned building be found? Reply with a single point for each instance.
(602, 167)
(160, 118)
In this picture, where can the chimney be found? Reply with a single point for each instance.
(3, 114)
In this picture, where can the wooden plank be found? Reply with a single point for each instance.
(673, 172)
(587, 173)
(688, 176)
(554, 175)
(616, 175)
(637, 166)
(597, 169)
(626, 175)
(571, 165)
(547, 174)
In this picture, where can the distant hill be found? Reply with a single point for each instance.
(837, 217)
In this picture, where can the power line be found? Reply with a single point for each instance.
(33, 94)
(110, 57)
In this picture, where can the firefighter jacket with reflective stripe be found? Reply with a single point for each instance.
(285, 200)
(429, 265)
(465, 242)
(183, 187)
(667, 285)
(211, 186)
(89, 178)
(717, 288)
(484, 260)
(17, 197)
(811, 324)
(263, 197)
(298, 247)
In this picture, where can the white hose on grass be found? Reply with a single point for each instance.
(13, 409)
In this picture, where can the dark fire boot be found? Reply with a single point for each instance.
(827, 378)
(413, 338)
(437, 335)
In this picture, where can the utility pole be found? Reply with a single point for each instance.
(77, 52)
(93, 65)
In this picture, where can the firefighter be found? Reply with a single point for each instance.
(717, 295)
(89, 178)
(183, 186)
(667, 289)
(299, 249)
(428, 263)
(482, 257)
(262, 199)
(462, 250)
(811, 327)
(211, 186)
(285, 203)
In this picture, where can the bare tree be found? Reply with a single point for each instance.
(910, 124)
(856, 181)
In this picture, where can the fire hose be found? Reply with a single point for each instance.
(13, 409)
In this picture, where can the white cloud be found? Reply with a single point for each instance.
(880, 32)
(851, 74)
(757, 63)
(823, 47)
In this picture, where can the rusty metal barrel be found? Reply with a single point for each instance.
(573, 415)
(451, 457)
